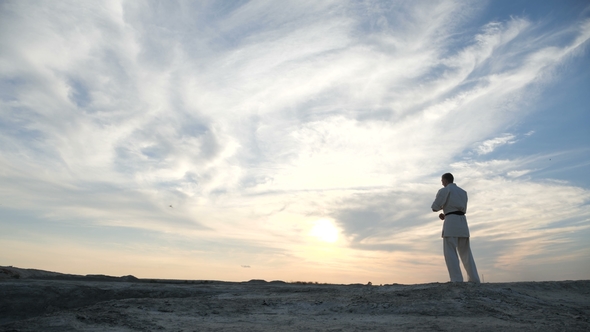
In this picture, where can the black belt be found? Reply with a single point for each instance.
(461, 213)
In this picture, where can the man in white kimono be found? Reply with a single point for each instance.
(453, 201)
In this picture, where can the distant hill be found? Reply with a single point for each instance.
(10, 272)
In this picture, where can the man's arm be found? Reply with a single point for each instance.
(440, 200)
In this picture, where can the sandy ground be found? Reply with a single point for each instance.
(33, 300)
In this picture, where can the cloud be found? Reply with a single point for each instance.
(491, 144)
(515, 174)
(255, 120)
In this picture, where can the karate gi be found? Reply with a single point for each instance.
(455, 232)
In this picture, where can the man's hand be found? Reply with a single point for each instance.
(441, 216)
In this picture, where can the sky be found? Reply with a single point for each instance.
(294, 140)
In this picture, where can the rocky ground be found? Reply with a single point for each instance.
(33, 300)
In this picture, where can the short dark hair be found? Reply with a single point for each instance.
(449, 177)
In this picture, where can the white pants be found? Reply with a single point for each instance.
(461, 244)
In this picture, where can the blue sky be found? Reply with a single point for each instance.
(293, 140)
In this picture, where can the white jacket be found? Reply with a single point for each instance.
(449, 199)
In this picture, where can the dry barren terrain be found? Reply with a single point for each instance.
(34, 300)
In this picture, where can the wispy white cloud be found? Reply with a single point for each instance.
(491, 144)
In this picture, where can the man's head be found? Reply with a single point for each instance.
(447, 178)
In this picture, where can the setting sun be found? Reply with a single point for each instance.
(325, 230)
